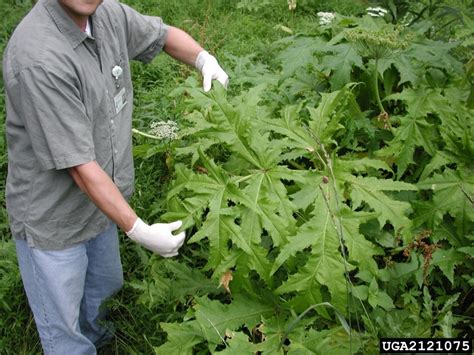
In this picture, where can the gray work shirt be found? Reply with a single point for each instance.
(65, 108)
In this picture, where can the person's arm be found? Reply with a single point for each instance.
(96, 184)
(102, 191)
(183, 47)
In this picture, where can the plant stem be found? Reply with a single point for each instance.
(134, 130)
(376, 86)
(296, 165)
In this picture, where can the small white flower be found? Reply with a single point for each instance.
(164, 129)
(325, 18)
(291, 5)
(376, 11)
(405, 21)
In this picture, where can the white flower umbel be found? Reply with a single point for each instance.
(376, 11)
(164, 129)
(325, 18)
(160, 130)
(291, 5)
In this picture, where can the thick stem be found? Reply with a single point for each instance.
(376, 86)
(134, 130)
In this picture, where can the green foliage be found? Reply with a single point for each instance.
(306, 196)
(250, 5)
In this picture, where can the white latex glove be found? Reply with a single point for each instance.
(210, 69)
(158, 237)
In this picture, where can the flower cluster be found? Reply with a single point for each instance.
(377, 43)
(164, 129)
(325, 18)
(376, 11)
(292, 5)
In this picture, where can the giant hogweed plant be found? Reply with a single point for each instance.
(324, 228)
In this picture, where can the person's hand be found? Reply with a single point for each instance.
(158, 237)
(210, 69)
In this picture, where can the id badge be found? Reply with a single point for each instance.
(120, 100)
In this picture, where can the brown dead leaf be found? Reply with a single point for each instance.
(225, 280)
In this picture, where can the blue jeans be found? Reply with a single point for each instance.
(66, 288)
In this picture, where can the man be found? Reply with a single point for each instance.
(69, 107)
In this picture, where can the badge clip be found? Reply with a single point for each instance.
(116, 72)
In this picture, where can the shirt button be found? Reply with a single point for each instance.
(115, 151)
(112, 121)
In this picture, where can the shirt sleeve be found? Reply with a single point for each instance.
(55, 119)
(146, 35)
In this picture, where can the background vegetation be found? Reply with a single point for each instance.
(329, 191)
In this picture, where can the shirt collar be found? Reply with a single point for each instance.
(64, 23)
(88, 28)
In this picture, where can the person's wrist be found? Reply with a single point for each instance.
(135, 226)
(201, 59)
